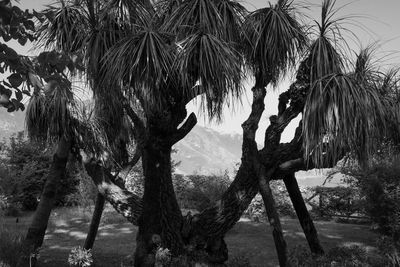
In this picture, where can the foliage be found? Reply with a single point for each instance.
(343, 109)
(80, 257)
(199, 191)
(379, 186)
(28, 163)
(390, 249)
(239, 261)
(163, 257)
(256, 210)
(352, 256)
(340, 200)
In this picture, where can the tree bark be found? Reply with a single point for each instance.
(37, 229)
(305, 219)
(95, 222)
(124, 202)
(274, 221)
(161, 219)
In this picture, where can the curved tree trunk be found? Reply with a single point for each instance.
(305, 219)
(37, 229)
(95, 222)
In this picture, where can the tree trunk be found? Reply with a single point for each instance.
(161, 219)
(37, 229)
(94, 224)
(273, 218)
(303, 215)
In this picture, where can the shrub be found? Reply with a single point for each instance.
(25, 167)
(380, 188)
(256, 209)
(199, 191)
(351, 256)
(239, 261)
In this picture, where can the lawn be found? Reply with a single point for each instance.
(116, 238)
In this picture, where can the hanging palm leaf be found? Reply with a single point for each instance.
(36, 121)
(58, 100)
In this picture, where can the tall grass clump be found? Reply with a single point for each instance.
(10, 247)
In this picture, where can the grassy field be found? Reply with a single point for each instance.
(116, 238)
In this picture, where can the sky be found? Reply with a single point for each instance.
(372, 22)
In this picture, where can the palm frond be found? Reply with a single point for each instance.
(143, 61)
(273, 39)
(36, 118)
(211, 64)
(232, 15)
(128, 13)
(328, 51)
(65, 28)
(340, 114)
(58, 100)
(193, 15)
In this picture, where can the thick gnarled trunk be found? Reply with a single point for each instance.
(161, 219)
(37, 229)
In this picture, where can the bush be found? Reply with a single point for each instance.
(380, 188)
(352, 256)
(199, 191)
(25, 167)
(239, 261)
(256, 209)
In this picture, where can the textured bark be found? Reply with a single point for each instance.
(305, 219)
(161, 219)
(95, 222)
(124, 202)
(37, 229)
(274, 221)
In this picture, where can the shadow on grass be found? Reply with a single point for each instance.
(116, 238)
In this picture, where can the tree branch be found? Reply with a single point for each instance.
(124, 202)
(187, 126)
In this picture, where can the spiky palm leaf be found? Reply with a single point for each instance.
(273, 39)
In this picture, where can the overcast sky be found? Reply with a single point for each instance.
(381, 18)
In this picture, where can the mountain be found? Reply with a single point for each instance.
(206, 151)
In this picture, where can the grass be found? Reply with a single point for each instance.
(116, 238)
